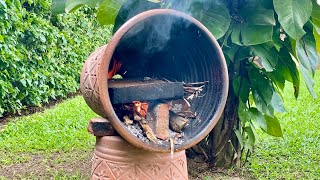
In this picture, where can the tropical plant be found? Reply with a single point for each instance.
(267, 44)
(41, 55)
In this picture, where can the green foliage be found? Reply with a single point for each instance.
(41, 55)
(293, 15)
(268, 43)
(108, 11)
(297, 155)
(211, 14)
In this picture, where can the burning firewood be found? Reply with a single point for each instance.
(115, 66)
(139, 112)
(140, 109)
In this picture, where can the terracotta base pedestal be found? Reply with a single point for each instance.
(114, 158)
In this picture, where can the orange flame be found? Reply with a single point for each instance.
(115, 67)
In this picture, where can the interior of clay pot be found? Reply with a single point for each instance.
(174, 48)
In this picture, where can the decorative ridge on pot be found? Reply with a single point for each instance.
(190, 54)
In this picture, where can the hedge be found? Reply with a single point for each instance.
(41, 55)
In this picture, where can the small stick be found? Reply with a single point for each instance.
(172, 147)
(147, 129)
(197, 83)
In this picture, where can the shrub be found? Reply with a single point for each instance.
(41, 55)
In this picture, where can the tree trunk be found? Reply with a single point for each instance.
(222, 148)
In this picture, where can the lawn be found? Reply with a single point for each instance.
(55, 143)
(297, 155)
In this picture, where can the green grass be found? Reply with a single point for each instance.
(56, 136)
(62, 128)
(297, 155)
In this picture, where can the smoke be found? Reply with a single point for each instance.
(160, 32)
(156, 32)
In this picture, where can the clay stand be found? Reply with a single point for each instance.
(115, 158)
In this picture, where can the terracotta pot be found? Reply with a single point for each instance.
(165, 44)
(114, 158)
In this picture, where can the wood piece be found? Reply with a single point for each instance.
(101, 127)
(127, 120)
(161, 112)
(123, 91)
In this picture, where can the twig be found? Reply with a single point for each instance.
(196, 83)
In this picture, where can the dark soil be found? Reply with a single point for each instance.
(199, 170)
(42, 166)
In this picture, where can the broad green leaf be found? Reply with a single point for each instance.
(287, 43)
(130, 9)
(278, 76)
(244, 89)
(231, 51)
(183, 6)
(257, 27)
(72, 5)
(108, 11)
(316, 16)
(268, 56)
(259, 4)
(243, 113)
(239, 137)
(273, 126)
(225, 42)
(236, 34)
(290, 65)
(236, 84)
(58, 6)
(277, 102)
(250, 134)
(307, 52)
(244, 52)
(292, 15)
(261, 85)
(253, 128)
(308, 80)
(258, 118)
(214, 15)
(262, 105)
(252, 34)
(258, 17)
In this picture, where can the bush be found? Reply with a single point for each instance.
(41, 55)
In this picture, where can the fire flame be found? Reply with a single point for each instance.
(114, 68)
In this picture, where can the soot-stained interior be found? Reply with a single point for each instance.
(171, 47)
